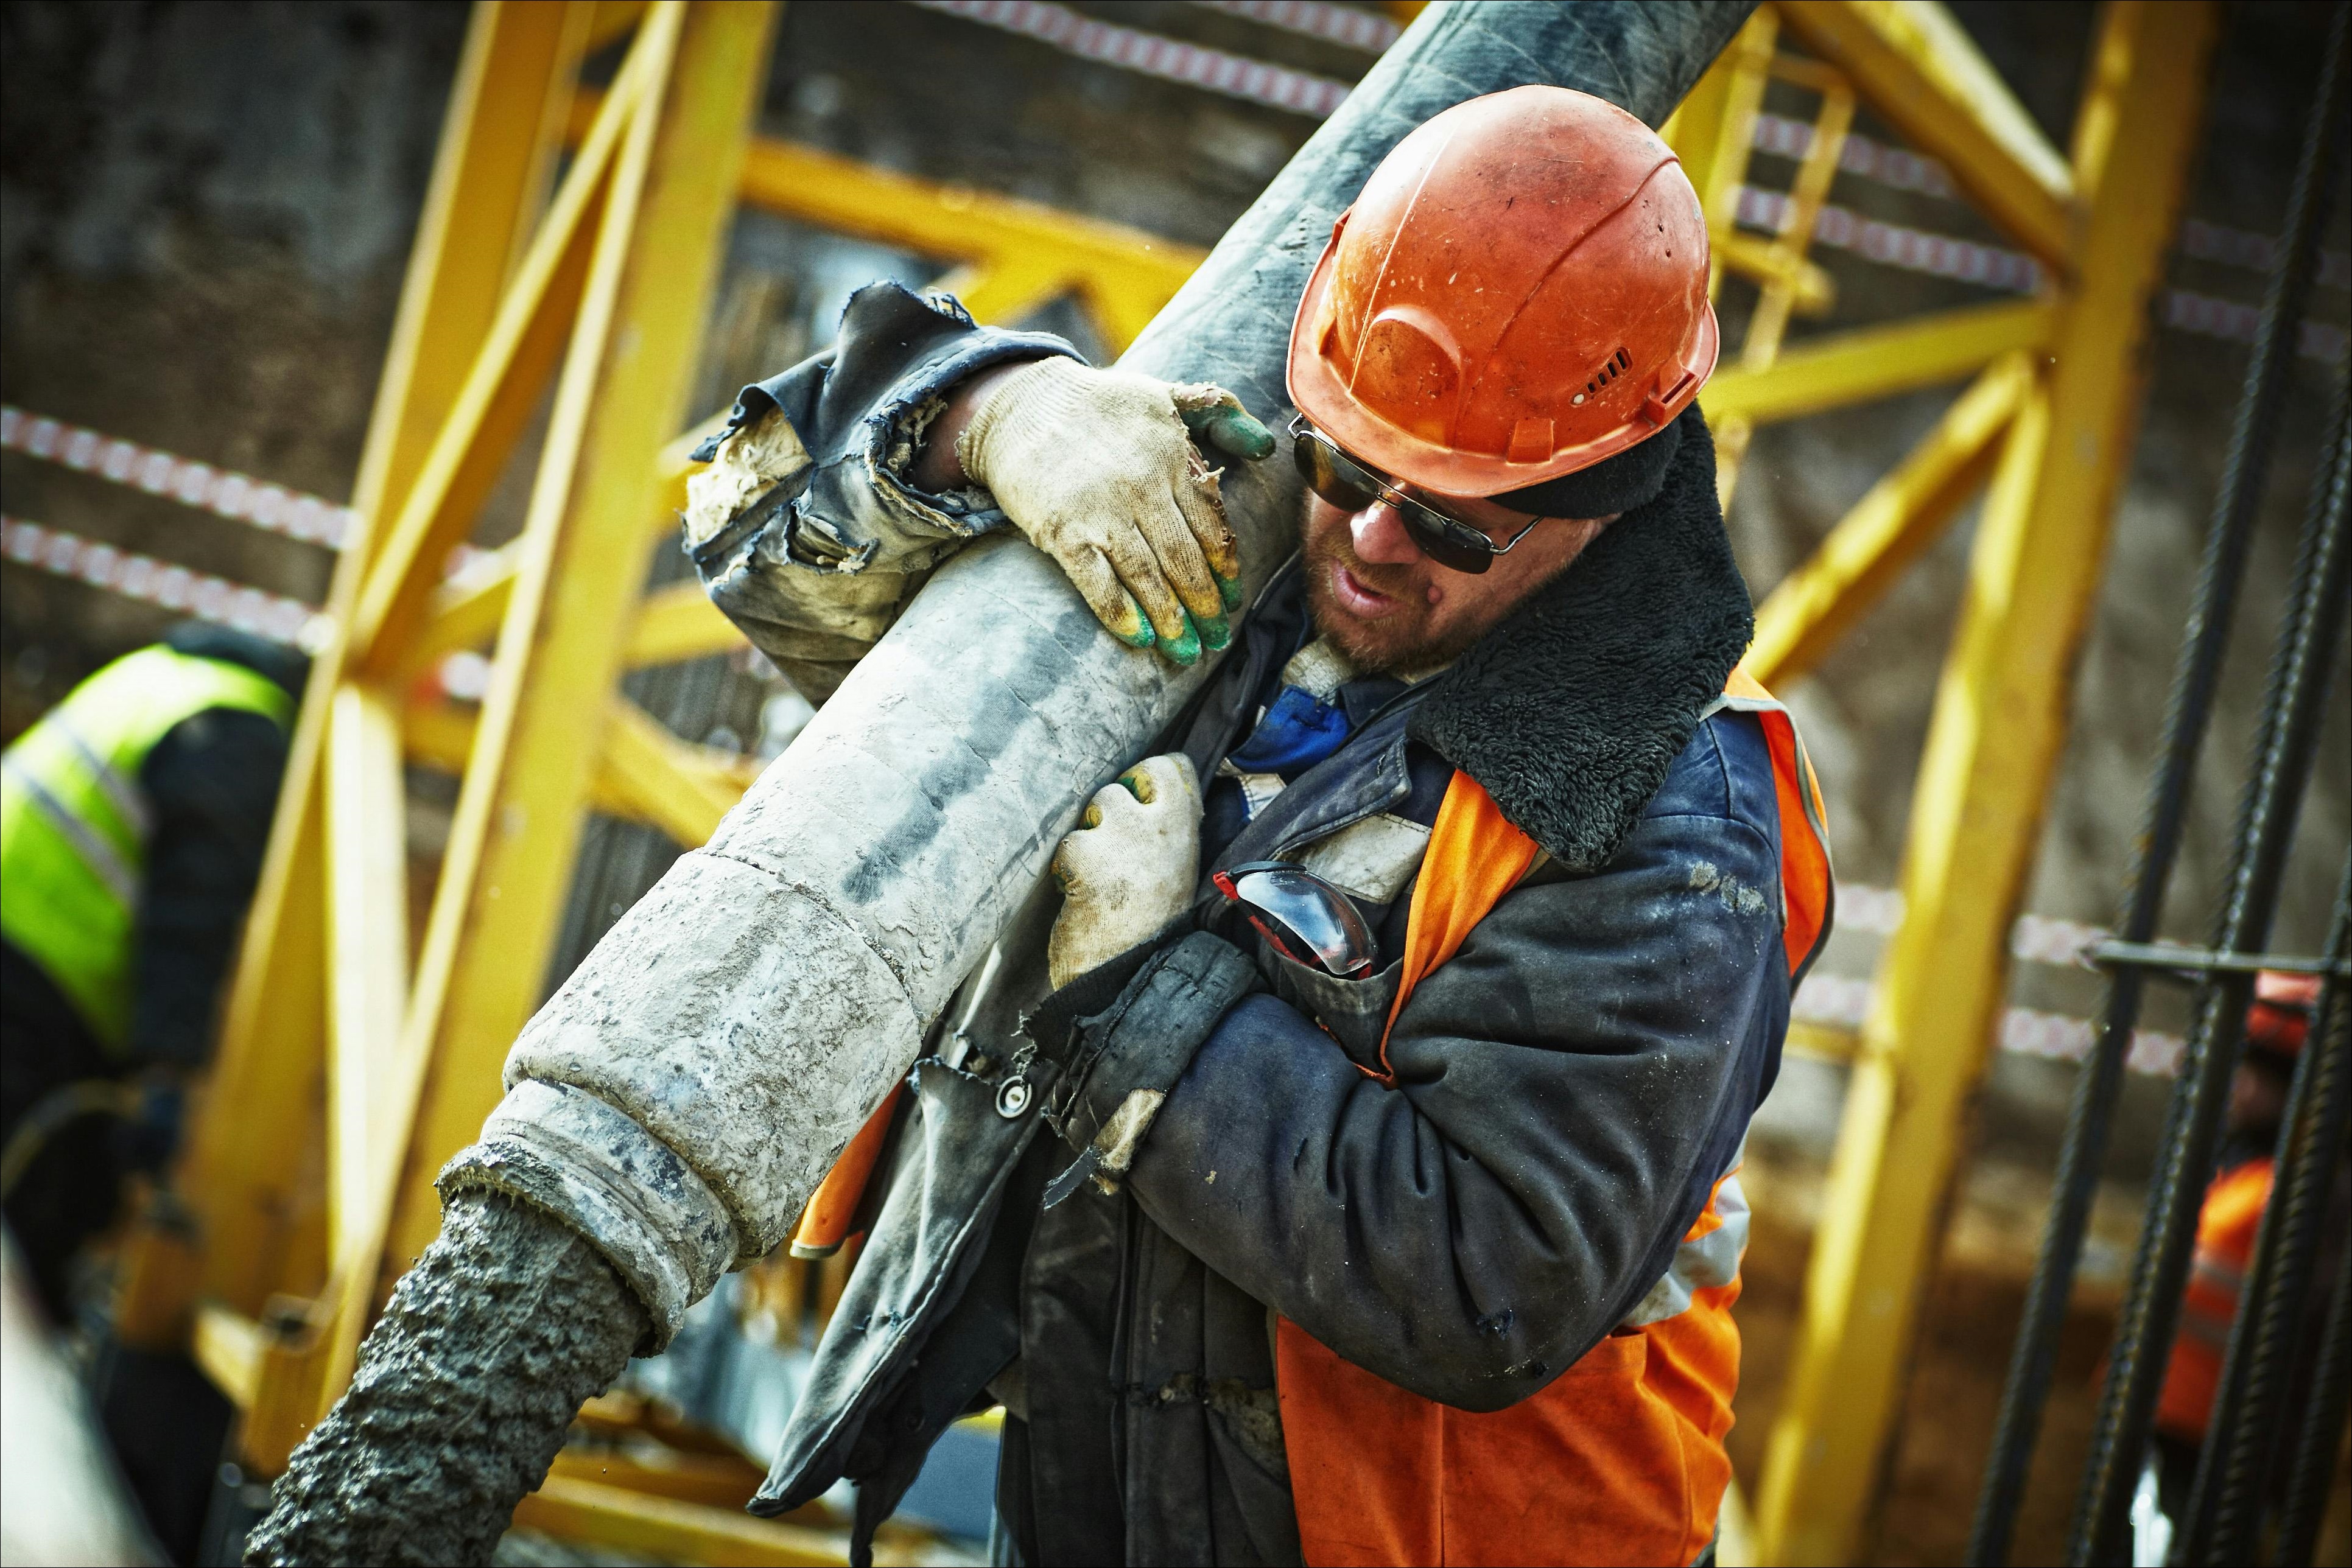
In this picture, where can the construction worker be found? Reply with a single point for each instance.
(133, 821)
(2276, 1027)
(1408, 1011)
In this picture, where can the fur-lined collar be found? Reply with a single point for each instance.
(1571, 711)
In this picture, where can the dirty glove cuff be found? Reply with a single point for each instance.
(1119, 1062)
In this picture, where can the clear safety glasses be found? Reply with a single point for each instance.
(1347, 485)
(1305, 918)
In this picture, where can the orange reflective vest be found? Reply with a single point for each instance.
(2226, 1227)
(1619, 1458)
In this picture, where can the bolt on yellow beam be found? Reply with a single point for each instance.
(1992, 751)
(1817, 604)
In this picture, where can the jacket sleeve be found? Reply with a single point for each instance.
(1570, 1087)
(816, 571)
(211, 782)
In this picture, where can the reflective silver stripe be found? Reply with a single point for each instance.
(1709, 1263)
(96, 853)
(129, 802)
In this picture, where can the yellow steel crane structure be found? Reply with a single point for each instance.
(349, 1071)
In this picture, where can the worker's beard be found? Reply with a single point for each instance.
(1401, 642)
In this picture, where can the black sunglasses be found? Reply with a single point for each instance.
(1347, 485)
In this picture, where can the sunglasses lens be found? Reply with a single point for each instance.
(1450, 544)
(1341, 480)
(1332, 476)
(1306, 917)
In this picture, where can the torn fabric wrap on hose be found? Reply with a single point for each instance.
(750, 1013)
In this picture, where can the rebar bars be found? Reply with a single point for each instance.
(2225, 1505)
(2187, 715)
(2284, 749)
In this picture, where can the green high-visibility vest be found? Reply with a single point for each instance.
(75, 821)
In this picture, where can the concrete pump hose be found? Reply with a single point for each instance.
(683, 1094)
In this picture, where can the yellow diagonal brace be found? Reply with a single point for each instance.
(441, 735)
(367, 946)
(676, 623)
(1028, 251)
(955, 221)
(1837, 368)
(253, 1227)
(1992, 750)
(500, 393)
(465, 612)
(659, 779)
(1811, 290)
(1919, 70)
(507, 867)
(1817, 604)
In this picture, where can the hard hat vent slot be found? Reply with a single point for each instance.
(1616, 365)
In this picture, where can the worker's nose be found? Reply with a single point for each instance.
(1381, 537)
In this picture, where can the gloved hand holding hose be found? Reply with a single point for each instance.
(1098, 469)
(1130, 869)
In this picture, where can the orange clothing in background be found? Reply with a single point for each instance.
(2225, 1247)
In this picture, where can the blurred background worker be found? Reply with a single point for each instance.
(2227, 1226)
(132, 821)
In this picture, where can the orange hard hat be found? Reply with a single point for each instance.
(2281, 1016)
(1520, 293)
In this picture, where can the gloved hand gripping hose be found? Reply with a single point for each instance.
(465, 1387)
(1097, 469)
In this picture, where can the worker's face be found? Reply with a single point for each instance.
(1389, 607)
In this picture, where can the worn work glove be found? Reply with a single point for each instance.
(1129, 870)
(1097, 469)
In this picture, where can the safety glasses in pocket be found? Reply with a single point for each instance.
(1303, 917)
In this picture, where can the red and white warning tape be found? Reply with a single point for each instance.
(1913, 250)
(153, 581)
(2010, 271)
(1315, 19)
(1784, 137)
(1840, 1001)
(223, 491)
(1890, 245)
(1843, 1002)
(1891, 166)
(1152, 55)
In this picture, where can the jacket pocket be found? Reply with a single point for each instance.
(1353, 1012)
